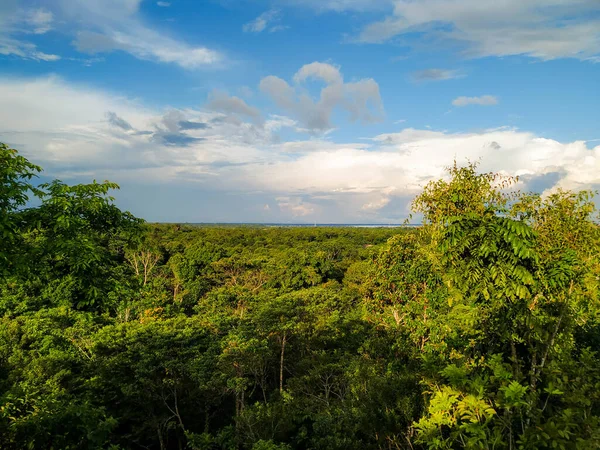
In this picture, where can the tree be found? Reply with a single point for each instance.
(16, 173)
(78, 238)
(522, 293)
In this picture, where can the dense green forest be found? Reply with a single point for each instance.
(479, 329)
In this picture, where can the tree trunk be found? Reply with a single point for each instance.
(160, 437)
(283, 340)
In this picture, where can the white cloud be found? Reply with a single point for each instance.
(361, 99)
(341, 5)
(543, 29)
(144, 43)
(406, 136)
(484, 100)
(163, 4)
(377, 204)
(318, 70)
(39, 104)
(115, 25)
(223, 102)
(295, 206)
(24, 50)
(98, 27)
(39, 19)
(93, 11)
(410, 163)
(117, 121)
(101, 131)
(246, 91)
(267, 18)
(276, 28)
(105, 136)
(436, 75)
(276, 123)
(316, 145)
(16, 23)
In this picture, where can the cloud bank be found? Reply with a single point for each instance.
(228, 152)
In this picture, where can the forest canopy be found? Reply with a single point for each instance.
(478, 329)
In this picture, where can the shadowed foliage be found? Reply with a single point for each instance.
(479, 329)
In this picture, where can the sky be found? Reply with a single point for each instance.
(299, 111)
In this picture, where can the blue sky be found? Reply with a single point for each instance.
(299, 110)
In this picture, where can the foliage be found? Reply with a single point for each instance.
(525, 271)
(16, 173)
(479, 329)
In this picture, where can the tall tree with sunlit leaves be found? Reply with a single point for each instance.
(522, 277)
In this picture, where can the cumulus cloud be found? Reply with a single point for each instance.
(369, 179)
(295, 206)
(484, 100)
(223, 102)
(265, 21)
(377, 204)
(543, 29)
(104, 136)
(163, 4)
(318, 70)
(435, 75)
(361, 99)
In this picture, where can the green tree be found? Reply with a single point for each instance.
(78, 237)
(522, 293)
(16, 173)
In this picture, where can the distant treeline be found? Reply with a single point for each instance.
(479, 329)
(293, 225)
